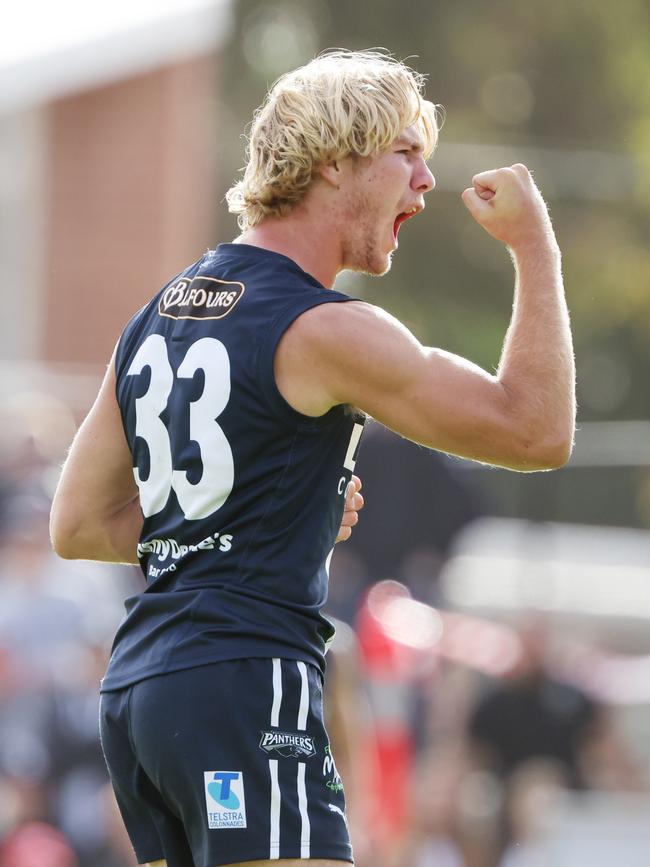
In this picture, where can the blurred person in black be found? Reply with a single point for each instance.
(406, 532)
(532, 714)
(535, 726)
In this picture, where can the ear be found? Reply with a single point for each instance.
(331, 173)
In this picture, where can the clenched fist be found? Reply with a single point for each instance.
(509, 206)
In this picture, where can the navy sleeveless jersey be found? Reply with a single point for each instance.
(242, 496)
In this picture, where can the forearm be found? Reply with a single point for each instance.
(83, 534)
(536, 372)
(118, 540)
(537, 367)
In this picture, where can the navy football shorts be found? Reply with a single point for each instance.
(224, 763)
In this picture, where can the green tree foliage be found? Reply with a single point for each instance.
(562, 86)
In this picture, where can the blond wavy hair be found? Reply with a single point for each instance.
(342, 103)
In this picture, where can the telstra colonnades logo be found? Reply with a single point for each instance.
(224, 799)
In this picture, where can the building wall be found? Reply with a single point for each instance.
(21, 221)
(129, 200)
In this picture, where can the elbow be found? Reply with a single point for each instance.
(62, 545)
(64, 553)
(555, 457)
(557, 444)
(565, 450)
(63, 549)
(551, 452)
(64, 532)
(541, 439)
(542, 428)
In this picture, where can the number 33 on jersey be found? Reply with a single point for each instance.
(201, 499)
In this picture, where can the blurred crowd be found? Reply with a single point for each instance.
(56, 624)
(469, 757)
(456, 739)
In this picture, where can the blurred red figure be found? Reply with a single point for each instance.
(37, 844)
(393, 661)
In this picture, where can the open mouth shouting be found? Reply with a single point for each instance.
(402, 217)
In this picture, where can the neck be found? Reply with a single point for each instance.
(303, 237)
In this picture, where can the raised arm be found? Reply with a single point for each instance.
(521, 418)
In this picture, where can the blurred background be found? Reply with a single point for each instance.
(490, 687)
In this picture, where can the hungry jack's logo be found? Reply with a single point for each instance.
(199, 298)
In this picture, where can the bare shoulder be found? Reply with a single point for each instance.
(351, 315)
(310, 338)
(343, 328)
(330, 345)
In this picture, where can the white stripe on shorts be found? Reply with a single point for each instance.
(274, 847)
(276, 795)
(304, 697)
(277, 692)
(305, 834)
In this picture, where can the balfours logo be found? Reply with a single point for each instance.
(199, 298)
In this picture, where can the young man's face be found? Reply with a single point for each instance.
(382, 192)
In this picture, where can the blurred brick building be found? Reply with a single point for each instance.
(107, 125)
